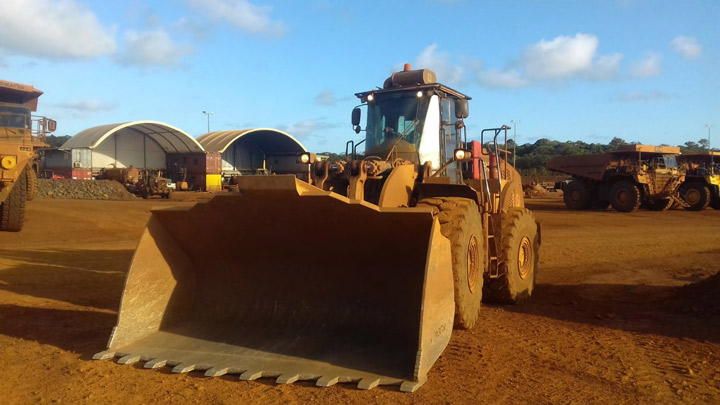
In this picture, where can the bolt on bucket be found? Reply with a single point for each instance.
(285, 280)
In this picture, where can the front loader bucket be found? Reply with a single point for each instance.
(285, 280)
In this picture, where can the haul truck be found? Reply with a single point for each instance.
(625, 178)
(359, 276)
(20, 136)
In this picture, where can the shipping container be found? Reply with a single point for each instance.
(195, 163)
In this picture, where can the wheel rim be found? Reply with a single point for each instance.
(692, 196)
(473, 264)
(623, 196)
(575, 195)
(525, 257)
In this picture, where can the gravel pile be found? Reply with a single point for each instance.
(702, 297)
(83, 189)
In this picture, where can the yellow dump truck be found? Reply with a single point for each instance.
(21, 135)
(358, 276)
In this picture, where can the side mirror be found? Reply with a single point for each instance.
(356, 116)
(461, 108)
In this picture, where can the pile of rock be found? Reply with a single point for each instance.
(702, 297)
(83, 189)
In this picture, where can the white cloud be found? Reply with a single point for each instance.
(496, 78)
(62, 29)
(243, 15)
(439, 62)
(154, 47)
(90, 105)
(688, 46)
(561, 57)
(307, 128)
(326, 97)
(605, 67)
(647, 67)
(644, 96)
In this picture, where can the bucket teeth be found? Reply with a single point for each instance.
(216, 372)
(368, 383)
(251, 375)
(327, 381)
(104, 355)
(183, 368)
(156, 363)
(129, 359)
(364, 383)
(287, 378)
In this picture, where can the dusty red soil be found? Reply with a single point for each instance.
(607, 323)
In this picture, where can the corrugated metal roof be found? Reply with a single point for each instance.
(169, 138)
(267, 139)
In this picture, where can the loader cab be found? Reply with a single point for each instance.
(414, 123)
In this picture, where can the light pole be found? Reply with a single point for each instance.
(208, 116)
(514, 126)
(712, 161)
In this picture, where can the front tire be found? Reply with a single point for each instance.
(519, 259)
(32, 183)
(12, 211)
(696, 194)
(625, 196)
(576, 195)
(461, 222)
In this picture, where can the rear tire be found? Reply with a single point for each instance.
(12, 211)
(625, 196)
(715, 203)
(519, 259)
(32, 183)
(461, 222)
(576, 195)
(697, 194)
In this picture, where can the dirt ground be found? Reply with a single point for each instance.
(600, 329)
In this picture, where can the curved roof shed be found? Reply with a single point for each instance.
(268, 139)
(251, 151)
(143, 144)
(169, 138)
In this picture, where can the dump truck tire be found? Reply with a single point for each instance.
(12, 211)
(715, 203)
(32, 183)
(661, 204)
(461, 222)
(576, 195)
(696, 194)
(519, 259)
(625, 196)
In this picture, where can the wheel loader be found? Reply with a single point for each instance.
(626, 178)
(356, 276)
(19, 140)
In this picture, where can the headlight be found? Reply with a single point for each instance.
(8, 162)
(462, 155)
(370, 97)
(307, 158)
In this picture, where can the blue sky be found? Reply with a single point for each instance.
(643, 71)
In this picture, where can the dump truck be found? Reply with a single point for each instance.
(625, 178)
(146, 183)
(21, 135)
(701, 187)
(358, 275)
